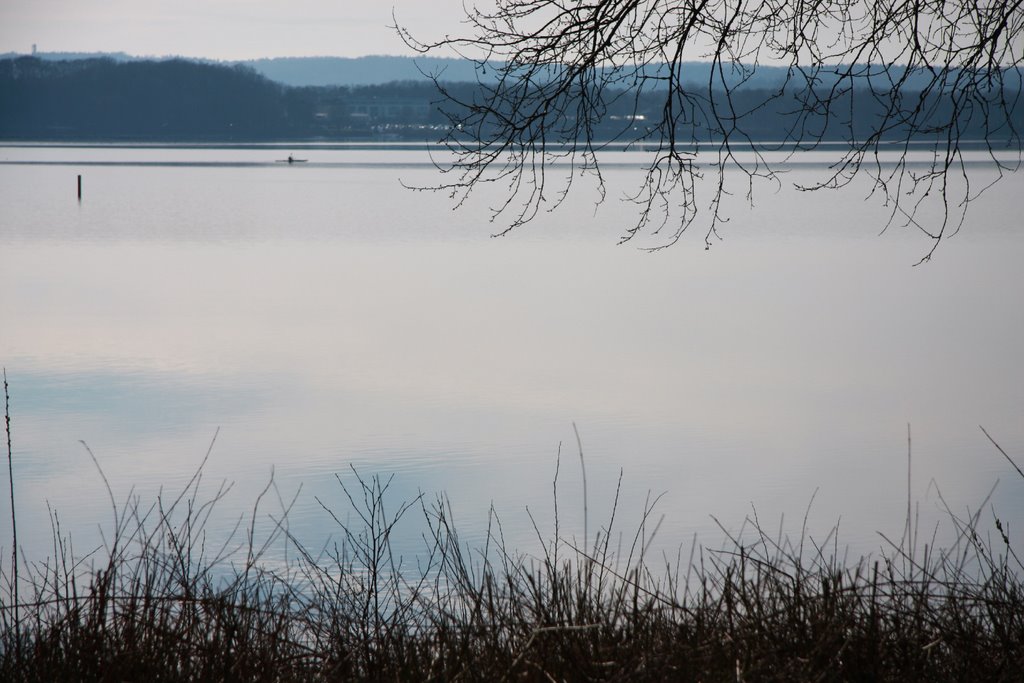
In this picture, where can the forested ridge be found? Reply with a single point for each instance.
(102, 99)
(182, 100)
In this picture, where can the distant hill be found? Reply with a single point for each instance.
(318, 71)
(306, 71)
(188, 100)
(310, 71)
(376, 70)
(321, 71)
(107, 99)
(182, 100)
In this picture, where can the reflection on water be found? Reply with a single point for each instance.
(329, 318)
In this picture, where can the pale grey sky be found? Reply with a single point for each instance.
(222, 29)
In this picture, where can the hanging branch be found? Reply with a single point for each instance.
(559, 82)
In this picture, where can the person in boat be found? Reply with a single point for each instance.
(291, 159)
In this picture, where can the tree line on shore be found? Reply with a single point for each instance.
(181, 100)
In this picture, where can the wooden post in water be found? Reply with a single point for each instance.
(79, 188)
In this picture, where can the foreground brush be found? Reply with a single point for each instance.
(161, 603)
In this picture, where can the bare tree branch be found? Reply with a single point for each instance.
(907, 91)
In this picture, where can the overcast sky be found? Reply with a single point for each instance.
(222, 29)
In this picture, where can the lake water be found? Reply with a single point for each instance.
(322, 316)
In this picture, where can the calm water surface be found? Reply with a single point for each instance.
(322, 316)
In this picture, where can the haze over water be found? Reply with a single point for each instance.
(322, 316)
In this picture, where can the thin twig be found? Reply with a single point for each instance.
(14, 520)
(1000, 448)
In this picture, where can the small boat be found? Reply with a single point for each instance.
(292, 160)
